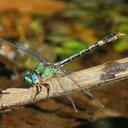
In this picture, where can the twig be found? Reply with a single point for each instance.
(103, 74)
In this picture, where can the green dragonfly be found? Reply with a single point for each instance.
(45, 69)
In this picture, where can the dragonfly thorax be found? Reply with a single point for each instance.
(44, 71)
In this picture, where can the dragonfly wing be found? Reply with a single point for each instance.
(26, 50)
(31, 53)
(85, 90)
(58, 74)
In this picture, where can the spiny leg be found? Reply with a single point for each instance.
(48, 88)
(38, 89)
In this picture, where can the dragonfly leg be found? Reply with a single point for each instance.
(38, 89)
(48, 88)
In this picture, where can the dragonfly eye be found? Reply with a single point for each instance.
(27, 74)
(35, 78)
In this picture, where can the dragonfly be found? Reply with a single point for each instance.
(46, 69)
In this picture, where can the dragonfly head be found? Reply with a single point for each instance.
(30, 78)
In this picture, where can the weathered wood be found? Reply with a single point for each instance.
(87, 78)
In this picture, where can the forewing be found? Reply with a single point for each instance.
(24, 49)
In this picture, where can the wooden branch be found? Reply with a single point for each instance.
(87, 78)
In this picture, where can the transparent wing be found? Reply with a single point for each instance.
(58, 74)
(75, 83)
(26, 50)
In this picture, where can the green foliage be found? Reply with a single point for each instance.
(36, 27)
(70, 47)
(122, 45)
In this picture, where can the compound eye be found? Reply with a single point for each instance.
(27, 73)
(35, 78)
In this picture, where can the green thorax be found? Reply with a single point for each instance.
(48, 71)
